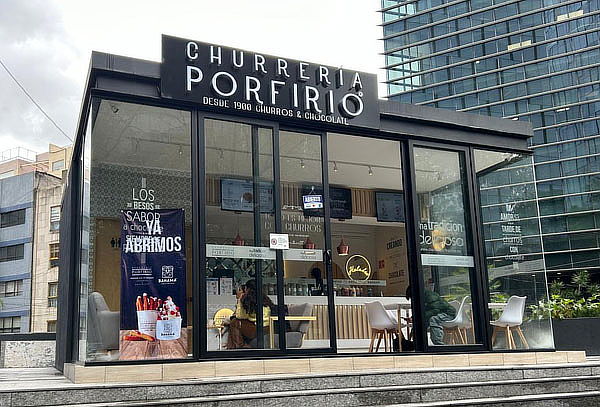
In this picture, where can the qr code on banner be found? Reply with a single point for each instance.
(167, 271)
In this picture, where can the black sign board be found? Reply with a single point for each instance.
(245, 82)
(340, 202)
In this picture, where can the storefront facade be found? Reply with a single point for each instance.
(375, 221)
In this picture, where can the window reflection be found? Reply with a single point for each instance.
(515, 264)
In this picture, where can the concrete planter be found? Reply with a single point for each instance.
(577, 334)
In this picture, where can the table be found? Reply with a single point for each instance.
(272, 319)
(143, 350)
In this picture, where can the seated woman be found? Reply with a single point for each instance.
(242, 326)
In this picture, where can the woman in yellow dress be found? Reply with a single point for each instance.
(242, 326)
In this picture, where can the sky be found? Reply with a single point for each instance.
(47, 46)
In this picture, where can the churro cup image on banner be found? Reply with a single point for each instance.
(147, 313)
(147, 322)
(168, 325)
(168, 329)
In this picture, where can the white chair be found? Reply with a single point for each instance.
(511, 320)
(457, 328)
(383, 325)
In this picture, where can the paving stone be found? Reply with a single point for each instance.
(294, 401)
(562, 372)
(402, 379)
(385, 397)
(310, 383)
(74, 396)
(483, 375)
(201, 389)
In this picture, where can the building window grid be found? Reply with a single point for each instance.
(10, 324)
(563, 142)
(55, 218)
(11, 288)
(540, 11)
(502, 86)
(12, 218)
(52, 294)
(433, 22)
(507, 75)
(51, 326)
(494, 55)
(551, 109)
(554, 92)
(54, 251)
(12, 253)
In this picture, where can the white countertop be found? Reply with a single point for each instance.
(229, 300)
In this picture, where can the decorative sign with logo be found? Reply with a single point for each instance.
(153, 285)
(358, 268)
(442, 237)
(279, 241)
(239, 252)
(229, 79)
(312, 201)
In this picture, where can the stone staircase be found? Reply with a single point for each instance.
(575, 384)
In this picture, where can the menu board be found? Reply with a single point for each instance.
(390, 206)
(238, 195)
(340, 202)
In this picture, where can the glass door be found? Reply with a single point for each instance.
(260, 181)
(240, 269)
(305, 278)
(449, 285)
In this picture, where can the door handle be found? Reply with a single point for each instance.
(328, 258)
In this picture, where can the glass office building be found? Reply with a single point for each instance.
(531, 60)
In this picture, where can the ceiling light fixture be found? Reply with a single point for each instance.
(370, 170)
(180, 150)
(335, 168)
(302, 165)
(114, 108)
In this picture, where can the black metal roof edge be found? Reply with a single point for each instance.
(134, 67)
(128, 65)
(451, 118)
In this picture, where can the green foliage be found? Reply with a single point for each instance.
(579, 299)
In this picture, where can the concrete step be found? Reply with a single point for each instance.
(347, 389)
(578, 399)
(426, 395)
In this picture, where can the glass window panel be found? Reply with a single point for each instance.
(513, 253)
(239, 168)
(446, 249)
(370, 249)
(137, 157)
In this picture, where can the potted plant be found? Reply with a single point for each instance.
(575, 312)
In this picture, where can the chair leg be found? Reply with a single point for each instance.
(379, 333)
(372, 340)
(385, 340)
(494, 333)
(463, 339)
(508, 335)
(522, 336)
(400, 337)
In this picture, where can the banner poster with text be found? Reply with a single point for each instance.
(153, 287)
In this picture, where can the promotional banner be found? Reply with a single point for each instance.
(153, 287)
